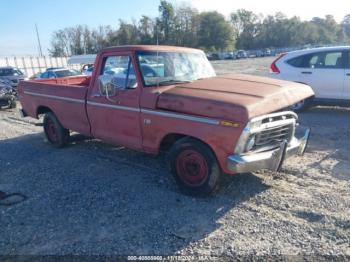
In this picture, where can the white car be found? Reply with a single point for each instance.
(325, 69)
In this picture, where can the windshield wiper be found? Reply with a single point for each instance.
(173, 81)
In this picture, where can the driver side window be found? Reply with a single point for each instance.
(118, 72)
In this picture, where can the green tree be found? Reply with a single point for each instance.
(346, 25)
(146, 30)
(187, 21)
(166, 21)
(243, 21)
(185, 26)
(127, 34)
(327, 29)
(215, 32)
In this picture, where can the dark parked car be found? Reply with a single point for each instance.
(213, 56)
(267, 52)
(241, 54)
(57, 73)
(7, 94)
(229, 56)
(11, 74)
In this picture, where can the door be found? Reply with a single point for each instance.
(346, 89)
(324, 72)
(116, 118)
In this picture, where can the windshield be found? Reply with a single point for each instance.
(10, 72)
(172, 67)
(65, 73)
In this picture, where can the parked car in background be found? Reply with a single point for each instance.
(35, 76)
(241, 54)
(259, 53)
(7, 94)
(213, 56)
(12, 74)
(87, 69)
(267, 52)
(58, 73)
(326, 70)
(230, 56)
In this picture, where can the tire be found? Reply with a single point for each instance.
(12, 104)
(194, 167)
(301, 106)
(55, 133)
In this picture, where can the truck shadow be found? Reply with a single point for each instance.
(92, 198)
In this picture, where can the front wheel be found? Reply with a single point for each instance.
(55, 133)
(194, 167)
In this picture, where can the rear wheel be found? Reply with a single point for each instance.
(194, 167)
(55, 133)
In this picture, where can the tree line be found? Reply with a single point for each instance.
(210, 31)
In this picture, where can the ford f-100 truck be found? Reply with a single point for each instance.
(163, 98)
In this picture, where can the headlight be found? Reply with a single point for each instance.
(250, 143)
(247, 139)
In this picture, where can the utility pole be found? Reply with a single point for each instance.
(39, 44)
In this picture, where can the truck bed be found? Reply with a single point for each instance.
(64, 96)
(66, 81)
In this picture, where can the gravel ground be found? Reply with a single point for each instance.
(94, 199)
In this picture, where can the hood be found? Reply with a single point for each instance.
(234, 97)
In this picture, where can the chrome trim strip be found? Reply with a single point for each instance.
(126, 108)
(132, 109)
(158, 113)
(68, 99)
(283, 113)
(181, 116)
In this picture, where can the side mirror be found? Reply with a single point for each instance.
(106, 86)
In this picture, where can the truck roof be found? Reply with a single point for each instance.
(160, 48)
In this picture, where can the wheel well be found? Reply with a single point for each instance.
(169, 140)
(42, 110)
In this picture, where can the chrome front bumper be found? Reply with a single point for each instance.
(271, 160)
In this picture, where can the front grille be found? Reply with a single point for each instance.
(273, 129)
(274, 135)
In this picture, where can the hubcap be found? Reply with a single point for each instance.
(192, 168)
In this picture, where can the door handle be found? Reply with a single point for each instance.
(96, 95)
(306, 73)
(348, 74)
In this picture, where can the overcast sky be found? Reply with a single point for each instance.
(18, 17)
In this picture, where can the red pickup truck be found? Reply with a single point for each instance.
(162, 98)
